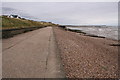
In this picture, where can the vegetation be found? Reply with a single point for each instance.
(13, 23)
(14, 26)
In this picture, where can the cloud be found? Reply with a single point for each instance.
(66, 12)
(60, 0)
(8, 11)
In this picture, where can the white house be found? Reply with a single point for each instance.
(14, 16)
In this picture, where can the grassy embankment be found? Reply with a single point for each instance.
(12, 23)
(13, 26)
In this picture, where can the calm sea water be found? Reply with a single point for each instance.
(108, 32)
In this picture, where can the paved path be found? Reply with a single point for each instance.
(31, 55)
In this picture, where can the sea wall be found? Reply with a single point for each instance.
(6, 33)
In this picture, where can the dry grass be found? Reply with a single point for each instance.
(11, 23)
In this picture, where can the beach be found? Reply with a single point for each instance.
(76, 40)
(87, 57)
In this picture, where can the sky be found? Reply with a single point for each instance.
(60, 0)
(66, 13)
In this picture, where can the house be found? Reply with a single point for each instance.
(14, 16)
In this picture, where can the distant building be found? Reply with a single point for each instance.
(14, 16)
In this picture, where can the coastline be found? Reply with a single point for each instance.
(100, 32)
(87, 57)
(90, 35)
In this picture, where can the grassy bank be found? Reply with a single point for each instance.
(14, 26)
(12, 23)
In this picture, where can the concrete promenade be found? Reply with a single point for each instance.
(31, 55)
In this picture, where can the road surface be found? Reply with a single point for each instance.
(31, 55)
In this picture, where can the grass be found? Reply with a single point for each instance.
(14, 26)
(11, 23)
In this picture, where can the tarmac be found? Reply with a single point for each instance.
(31, 55)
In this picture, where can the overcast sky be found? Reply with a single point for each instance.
(75, 13)
(60, 0)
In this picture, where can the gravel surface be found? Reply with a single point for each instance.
(87, 57)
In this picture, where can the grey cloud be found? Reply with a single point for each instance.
(68, 12)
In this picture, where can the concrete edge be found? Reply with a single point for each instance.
(58, 54)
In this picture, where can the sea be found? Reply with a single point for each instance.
(110, 32)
